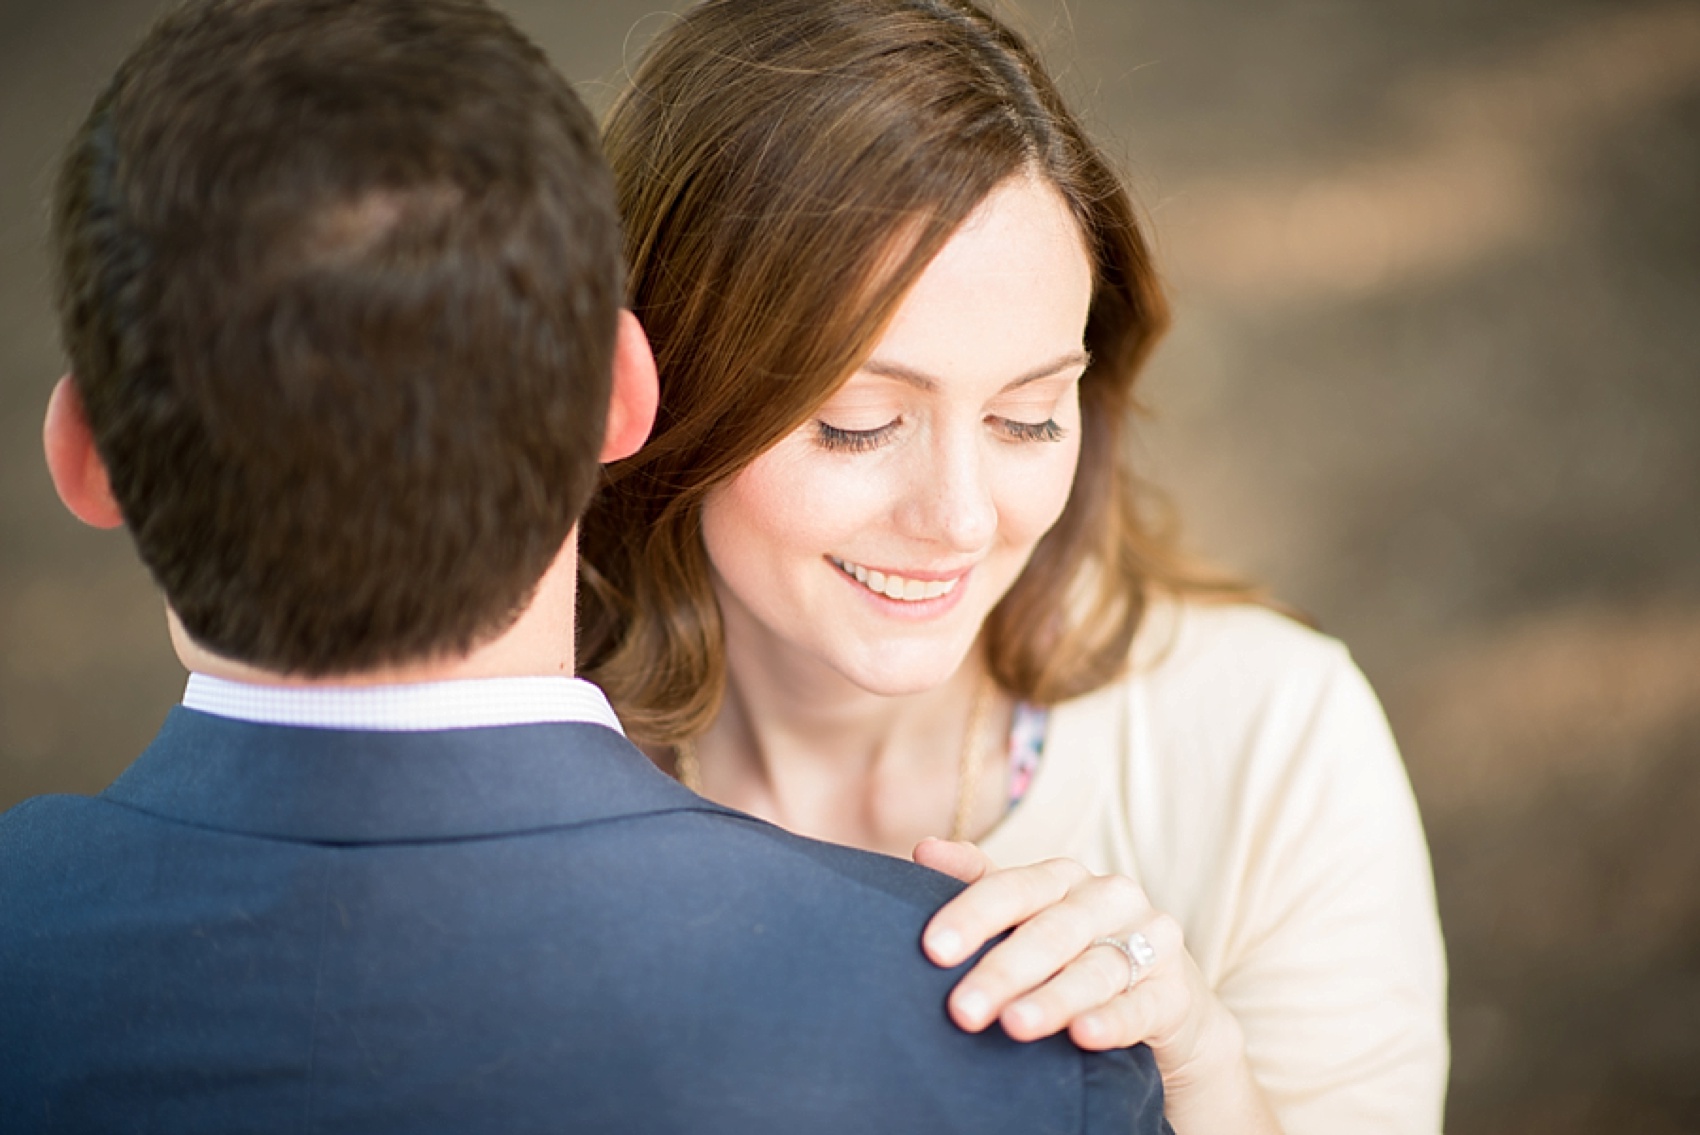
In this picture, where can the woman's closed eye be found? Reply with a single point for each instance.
(841, 440)
(854, 441)
(1031, 431)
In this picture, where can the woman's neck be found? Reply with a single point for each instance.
(800, 745)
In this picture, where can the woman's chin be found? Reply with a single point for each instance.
(905, 676)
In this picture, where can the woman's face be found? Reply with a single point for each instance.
(875, 538)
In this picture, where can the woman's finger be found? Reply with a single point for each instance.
(1091, 981)
(995, 903)
(1129, 1019)
(959, 859)
(1042, 946)
(1156, 1008)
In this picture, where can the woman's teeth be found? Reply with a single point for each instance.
(895, 586)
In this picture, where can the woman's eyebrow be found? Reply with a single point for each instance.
(881, 368)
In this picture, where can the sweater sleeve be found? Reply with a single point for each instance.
(1334, 965)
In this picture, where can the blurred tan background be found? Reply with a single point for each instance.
(1435, 377)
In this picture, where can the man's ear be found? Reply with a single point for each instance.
(79, 475)
(631, 409)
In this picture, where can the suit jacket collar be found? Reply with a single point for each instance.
(335, 786)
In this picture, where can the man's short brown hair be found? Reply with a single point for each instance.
(339, 281)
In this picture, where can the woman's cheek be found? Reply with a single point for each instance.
(814, 503)
(1037, 494)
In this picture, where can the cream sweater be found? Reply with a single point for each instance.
(1244, 774)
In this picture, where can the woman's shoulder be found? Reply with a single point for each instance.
(1188, 639)
(1222, 660)
(1209, 685)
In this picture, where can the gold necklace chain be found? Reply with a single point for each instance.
(968, 762)
(687, 768)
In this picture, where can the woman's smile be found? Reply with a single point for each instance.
(913, 593)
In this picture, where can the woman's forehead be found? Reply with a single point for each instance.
(1006, 296)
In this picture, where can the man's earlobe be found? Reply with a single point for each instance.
(79, 475)
(631, 409)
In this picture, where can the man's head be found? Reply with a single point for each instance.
(340, 284)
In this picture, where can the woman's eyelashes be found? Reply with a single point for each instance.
(831, 437)
(854, 441)
(1032, 431)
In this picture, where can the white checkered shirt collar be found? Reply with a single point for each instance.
(424, 707)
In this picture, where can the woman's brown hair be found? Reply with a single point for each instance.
(786, 170)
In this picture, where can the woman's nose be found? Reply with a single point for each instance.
(950, 501)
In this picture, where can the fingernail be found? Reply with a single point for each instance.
(1092, 1025)
(1024, 1015)
(945, 945)
(975, 1006)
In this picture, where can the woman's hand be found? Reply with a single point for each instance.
(1048, 975)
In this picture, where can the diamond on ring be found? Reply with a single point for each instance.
(1141, 955)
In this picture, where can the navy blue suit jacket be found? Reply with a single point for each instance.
(507, 930)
